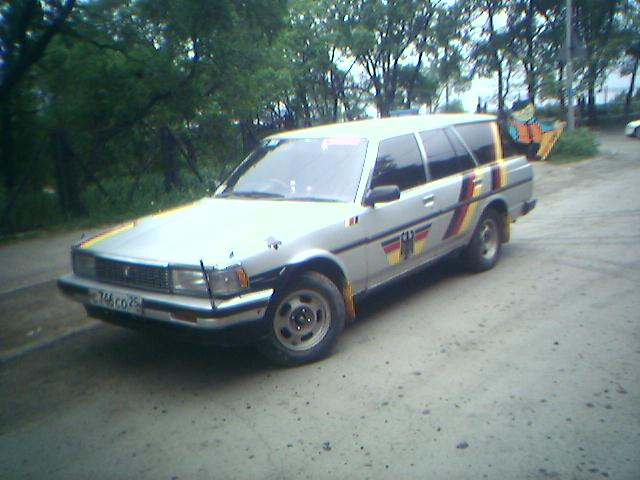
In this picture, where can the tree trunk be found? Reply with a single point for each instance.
(168, 152)
(248, 137)
(381, 103)
(6, 147)
(414, 77)
(306, 109)
(531, 73)
(591, 92)
(496, 56)
(632, 86)
(500, 90)
(383, 106)
(66, 173)
(561, 88)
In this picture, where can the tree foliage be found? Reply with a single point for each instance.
(111, 105)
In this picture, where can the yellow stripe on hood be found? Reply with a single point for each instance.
(109, 233)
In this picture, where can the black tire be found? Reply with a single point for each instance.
(305, 321)
(485, 246)
(636, 133)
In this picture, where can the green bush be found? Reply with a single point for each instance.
(578, 144)
(454, 106)
(40, 209)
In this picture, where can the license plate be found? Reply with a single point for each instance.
(116, 301)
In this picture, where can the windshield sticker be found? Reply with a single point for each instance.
(340, 141)
(349, 222)
(272, 143)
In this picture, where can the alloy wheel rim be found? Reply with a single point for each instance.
(302, 320)
(488, 239)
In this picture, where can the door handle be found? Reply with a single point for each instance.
(477, 181)
(428, 200)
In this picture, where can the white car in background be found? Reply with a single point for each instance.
(633, 129)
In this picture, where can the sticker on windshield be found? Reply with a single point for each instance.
(272, 142)
(349, 141)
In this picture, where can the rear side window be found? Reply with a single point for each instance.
(445, 154)
(479, 139)
(399, 163)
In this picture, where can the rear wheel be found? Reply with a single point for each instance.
(636, 133)
(483, 251)
(306, 320)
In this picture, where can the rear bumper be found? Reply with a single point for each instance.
(229, 322)
(528, 206)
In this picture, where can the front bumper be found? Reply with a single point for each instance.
(630, 129)
(235, 320)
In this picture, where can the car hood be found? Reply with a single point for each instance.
(215, 230)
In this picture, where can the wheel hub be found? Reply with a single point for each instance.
(301, 318)
(488, 240)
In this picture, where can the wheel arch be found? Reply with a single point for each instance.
(326, 264)
(499, 205)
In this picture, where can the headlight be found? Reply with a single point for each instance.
(229, 281)
(188, 281)
(84, 264)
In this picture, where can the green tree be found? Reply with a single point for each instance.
(26, 29)
(597, 24)
(536, 27)
(493, 53)
(383, 37)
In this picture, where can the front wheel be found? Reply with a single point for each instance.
(306, 320)
(483, 250)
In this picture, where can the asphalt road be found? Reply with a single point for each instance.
(528, 371)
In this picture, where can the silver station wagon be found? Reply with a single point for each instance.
(311, 222)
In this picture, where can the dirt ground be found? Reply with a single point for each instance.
(529, 370)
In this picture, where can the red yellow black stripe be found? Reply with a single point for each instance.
(466, 193)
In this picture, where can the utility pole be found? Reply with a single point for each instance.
(571, 121)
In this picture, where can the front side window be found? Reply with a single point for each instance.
(479, 139)
(399, 163)
(315, 169)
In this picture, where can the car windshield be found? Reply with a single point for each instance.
(314, 169)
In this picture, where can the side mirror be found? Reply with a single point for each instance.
(382, 194)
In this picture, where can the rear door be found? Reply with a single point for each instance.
(455, 182)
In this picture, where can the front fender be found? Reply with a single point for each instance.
(317, 259)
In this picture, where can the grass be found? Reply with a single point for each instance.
(38, 212)
(574, 146)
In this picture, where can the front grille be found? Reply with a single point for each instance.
(148, 277)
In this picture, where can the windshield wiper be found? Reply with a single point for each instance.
(252, 194)
(312, 199)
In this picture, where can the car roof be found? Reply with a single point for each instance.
(385, 127)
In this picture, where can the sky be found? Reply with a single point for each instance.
(486, 88)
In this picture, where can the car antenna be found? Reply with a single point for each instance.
(206, 279)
